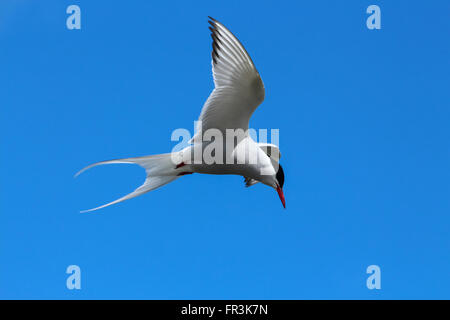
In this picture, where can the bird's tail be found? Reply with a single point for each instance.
(160, 170)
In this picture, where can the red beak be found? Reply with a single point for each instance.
(281, 195)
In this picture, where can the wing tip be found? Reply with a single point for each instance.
(214, 22)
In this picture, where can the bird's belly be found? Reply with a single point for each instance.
(230, 161)
(243, 170)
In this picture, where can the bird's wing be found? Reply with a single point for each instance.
(238, 90)
(271, 150)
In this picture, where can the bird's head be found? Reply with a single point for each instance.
(280, 182)
(276, 181)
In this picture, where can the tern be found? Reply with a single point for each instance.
(238, 91)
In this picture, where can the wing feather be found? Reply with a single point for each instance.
(238, 90)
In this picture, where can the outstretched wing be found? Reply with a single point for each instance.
(239, 89)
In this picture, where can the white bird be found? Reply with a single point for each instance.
(238, 91)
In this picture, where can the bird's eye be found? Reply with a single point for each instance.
(280, 175)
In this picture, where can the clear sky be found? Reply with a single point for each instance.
(364, 134)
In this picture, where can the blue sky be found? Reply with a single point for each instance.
(364, 133)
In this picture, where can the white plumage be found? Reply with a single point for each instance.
(238, 91)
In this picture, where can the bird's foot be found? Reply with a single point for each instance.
(182, 164)
(184, 173)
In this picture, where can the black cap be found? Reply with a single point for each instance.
(280, 176)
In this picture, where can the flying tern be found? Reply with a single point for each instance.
(238, 91)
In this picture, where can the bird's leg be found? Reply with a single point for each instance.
(182, 164)
(184, 172)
